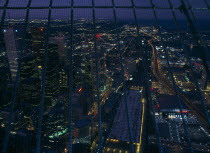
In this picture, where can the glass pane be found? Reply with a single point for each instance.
(40, 3)
(122, 3)
(20, 3)
(82, 2)
(103, 3)
(197, 4)
(61, 3)
(176, 3)
(2, 3)
(142, 3)
(161, 3)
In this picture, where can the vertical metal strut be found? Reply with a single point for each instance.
(71, 78)
(42, 101)
(124, 82)
(146, 77)
(97, 81)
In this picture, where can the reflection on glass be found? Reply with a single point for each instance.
(104, 76)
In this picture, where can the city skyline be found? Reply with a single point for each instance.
(110, 79)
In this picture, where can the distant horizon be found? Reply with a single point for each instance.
(165, 23)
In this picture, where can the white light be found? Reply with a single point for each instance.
(131, 79)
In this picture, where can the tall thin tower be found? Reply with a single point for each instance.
(12, 54)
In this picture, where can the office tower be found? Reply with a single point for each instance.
(52, 73)
(12, 51)
(38, 44)
(63, 79)
(30, 81)
(62, 50)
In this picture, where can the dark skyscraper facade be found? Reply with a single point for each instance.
(104, 76)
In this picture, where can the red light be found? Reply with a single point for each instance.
(151, 88)
(157, 106)
(98, 36)
(183, 111)
(197, 64)
(41, 29)
(80, 90)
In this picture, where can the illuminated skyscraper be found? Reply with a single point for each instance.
(52, 73)
(12, 51)
(37, 39)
